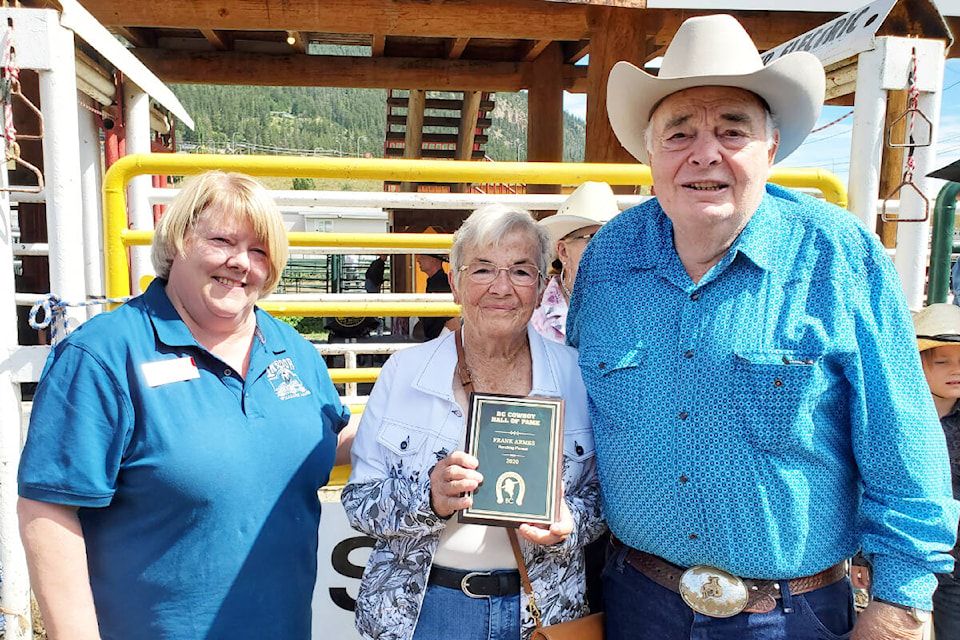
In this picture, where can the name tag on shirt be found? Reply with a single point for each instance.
(167, 371)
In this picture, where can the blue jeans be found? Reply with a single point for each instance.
(640, 609)
(451, 614)
(946, 607)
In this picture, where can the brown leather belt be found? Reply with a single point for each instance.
(762, 594)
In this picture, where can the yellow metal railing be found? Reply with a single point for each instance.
(117, 237)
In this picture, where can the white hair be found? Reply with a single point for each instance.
(489, 225)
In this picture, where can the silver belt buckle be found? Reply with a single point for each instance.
(713, 592)
(466, 579)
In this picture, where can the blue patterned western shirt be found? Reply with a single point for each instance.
(773, 418)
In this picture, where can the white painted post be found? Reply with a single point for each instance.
(913, 238)
(136, 107)
(869, 111)
(90, 187)
(15, 588)
(32, 34)
(883, 69)
(61, 169)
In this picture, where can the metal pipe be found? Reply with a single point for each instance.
(941, 245)
(97, 79)
(117, 274)
(31, 249)
(359, 308)
(408, 242)
(410, 200)
(136, 116)
(90, 189)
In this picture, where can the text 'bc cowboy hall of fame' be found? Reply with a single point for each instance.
(518, 442)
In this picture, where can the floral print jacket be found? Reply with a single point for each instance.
(412, 421)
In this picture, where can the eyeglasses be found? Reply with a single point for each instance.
(585, 236)
(482, 272)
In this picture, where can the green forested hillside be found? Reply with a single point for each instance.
(332, 121)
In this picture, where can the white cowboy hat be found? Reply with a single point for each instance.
(937, 326)
(717, 51)
(591, 203)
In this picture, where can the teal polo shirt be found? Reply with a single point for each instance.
(196, 488)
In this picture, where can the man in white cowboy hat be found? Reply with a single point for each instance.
(577, 220)
(759, 408)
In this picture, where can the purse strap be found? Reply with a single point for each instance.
(466, 376)
(524, 577)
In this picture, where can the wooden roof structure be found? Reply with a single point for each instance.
(449, 45)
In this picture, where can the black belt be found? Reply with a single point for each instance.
(477, 584)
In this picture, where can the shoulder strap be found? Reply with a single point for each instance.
(466, 376)
(524, 577)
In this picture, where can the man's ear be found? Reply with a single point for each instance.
(772, 151)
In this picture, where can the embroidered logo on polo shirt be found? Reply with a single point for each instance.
(285, 381)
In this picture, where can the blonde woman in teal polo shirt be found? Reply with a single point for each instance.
(168, 483)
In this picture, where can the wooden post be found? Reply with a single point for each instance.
(891, 162)
(413, 137)
(545, 113)
(468, 124)
(469, 111)
(615, 34)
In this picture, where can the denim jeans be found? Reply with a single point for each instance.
(451, 614)
(640, 609)
(946, 606)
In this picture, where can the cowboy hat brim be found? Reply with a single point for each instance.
(950, 172)
(924, 344)
(792, 86)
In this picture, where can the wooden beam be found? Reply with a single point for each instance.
(545, 113)
(136, 36)
(891, 162)
(378, 42)
(455, 48)
(534, 49)
(292, 70)
(451, 104)
(618, 34)
(220, 40)
(510, 19)
(413, 140)
(633, 4)
(575, 51)
(468, 124)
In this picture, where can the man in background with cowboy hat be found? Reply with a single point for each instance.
(757, 398)
(437, 282)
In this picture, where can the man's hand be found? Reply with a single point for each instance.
(882, 621)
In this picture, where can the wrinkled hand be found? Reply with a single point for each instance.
(453, 476)
(881, 621)
(555, 534)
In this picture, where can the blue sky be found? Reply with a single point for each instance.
(830, 148)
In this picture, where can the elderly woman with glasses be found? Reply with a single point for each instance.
(430, 576)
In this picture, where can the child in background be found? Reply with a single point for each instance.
(938, 338)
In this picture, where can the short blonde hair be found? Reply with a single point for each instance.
(232, 194)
